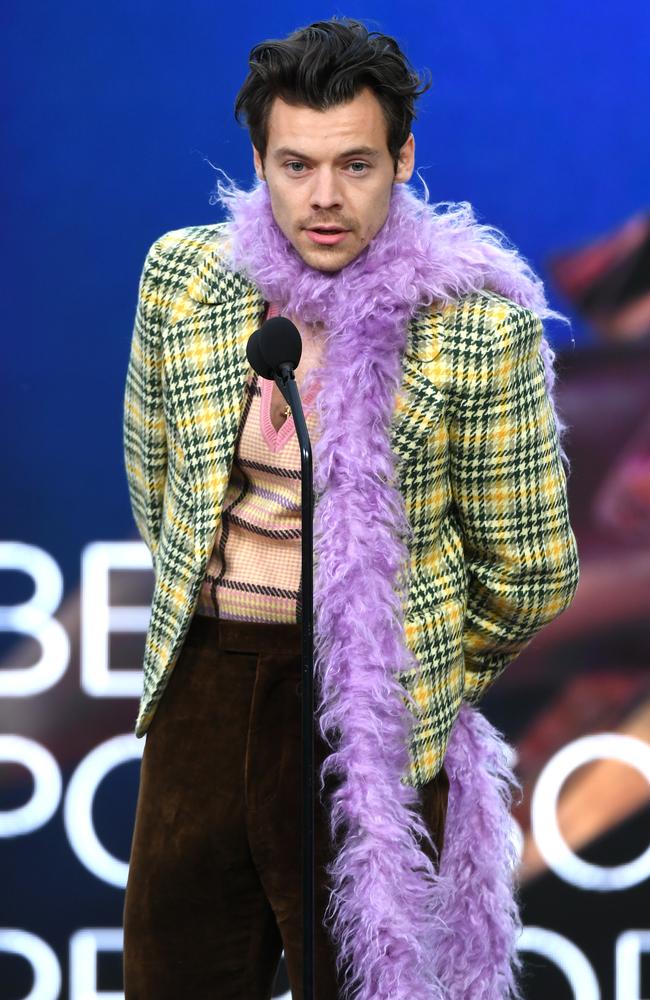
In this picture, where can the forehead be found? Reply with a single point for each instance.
(359, 122)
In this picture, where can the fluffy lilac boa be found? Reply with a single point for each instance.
(403, 931)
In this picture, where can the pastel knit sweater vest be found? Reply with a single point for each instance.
(254, 571)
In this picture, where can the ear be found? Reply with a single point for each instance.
(258, 164)
(406, 161)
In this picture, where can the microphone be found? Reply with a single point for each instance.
(273, 352)
(275, 349)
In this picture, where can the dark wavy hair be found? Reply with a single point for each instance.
(326, 64)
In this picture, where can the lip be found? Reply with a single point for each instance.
(327, 239)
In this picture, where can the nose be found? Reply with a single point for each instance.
(325, 192)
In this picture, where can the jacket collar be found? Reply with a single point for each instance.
(214, 281)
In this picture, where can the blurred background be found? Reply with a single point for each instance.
(115, 117)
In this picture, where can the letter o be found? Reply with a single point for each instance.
(545, 828)
(78, 807)
(566, 956)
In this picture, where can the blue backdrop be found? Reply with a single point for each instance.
(113, 111)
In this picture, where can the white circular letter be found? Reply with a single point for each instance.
(78, 807)
(566, 956)
(545, 828)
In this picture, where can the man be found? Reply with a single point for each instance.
(442, 545)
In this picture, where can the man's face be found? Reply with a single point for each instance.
(330, 176)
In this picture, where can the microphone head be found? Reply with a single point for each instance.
(255, 357)
(277, 342)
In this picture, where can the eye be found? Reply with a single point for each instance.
(358, 163)
(295, 163)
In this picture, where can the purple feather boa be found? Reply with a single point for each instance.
(403, 930)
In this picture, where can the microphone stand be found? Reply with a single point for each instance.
(286, 383)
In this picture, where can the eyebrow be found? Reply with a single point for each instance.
(356, 151)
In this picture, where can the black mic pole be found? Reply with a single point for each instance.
(273, 352)
(286, 383)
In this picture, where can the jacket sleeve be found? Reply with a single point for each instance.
(145, 443)
(509, 491)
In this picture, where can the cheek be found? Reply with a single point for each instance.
(280, 213)
(375, 218)
(283, 205)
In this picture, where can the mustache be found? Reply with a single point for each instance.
(339, 223)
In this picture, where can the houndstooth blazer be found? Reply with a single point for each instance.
(493, 555)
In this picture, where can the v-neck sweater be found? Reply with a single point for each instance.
(254, 570)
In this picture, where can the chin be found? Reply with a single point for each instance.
(323, 259)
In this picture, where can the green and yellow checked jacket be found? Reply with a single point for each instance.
(493, 555)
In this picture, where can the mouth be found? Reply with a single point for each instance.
(327, 235)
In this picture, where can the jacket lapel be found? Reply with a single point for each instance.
(207, 368)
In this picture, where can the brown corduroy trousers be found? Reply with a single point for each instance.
(214, 889)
